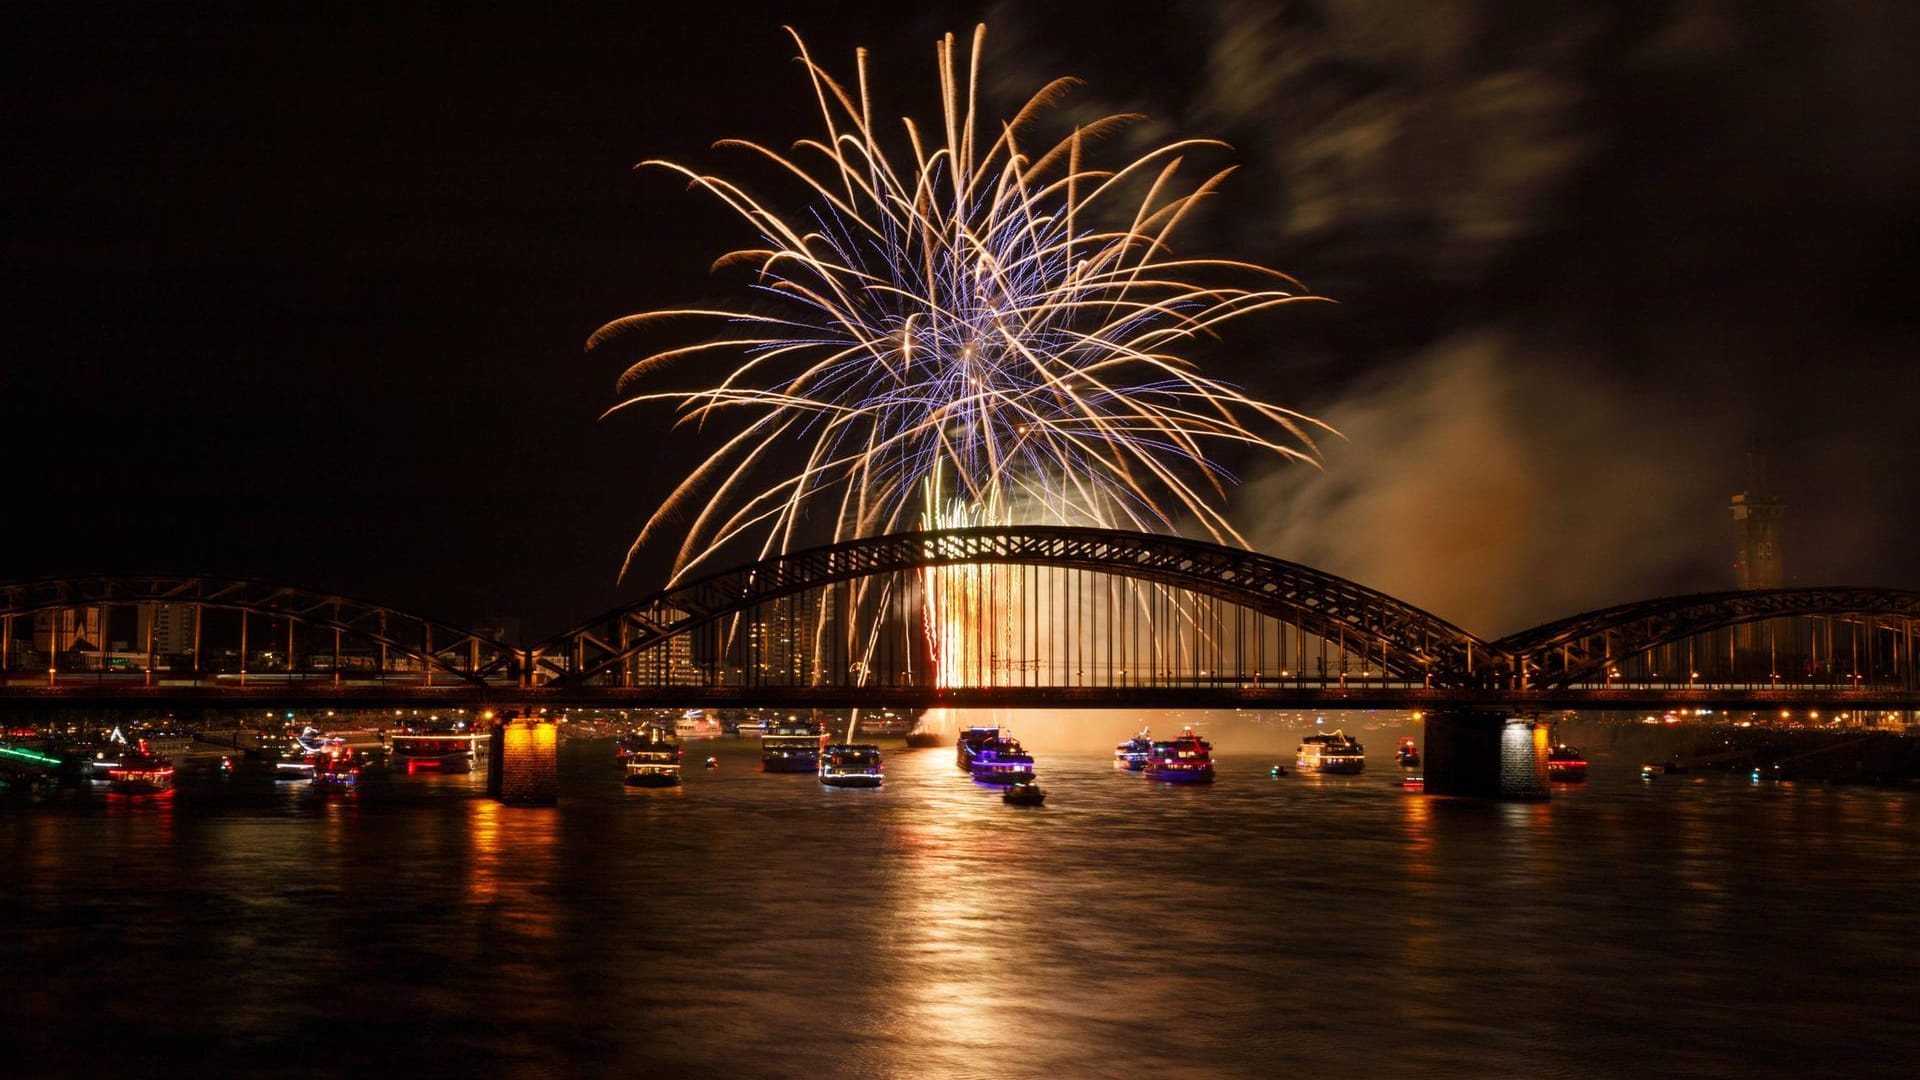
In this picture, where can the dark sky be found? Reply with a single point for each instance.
(300, 292)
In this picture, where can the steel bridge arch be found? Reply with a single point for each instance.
(422, 638)
(1413, 643)
(1579, 648)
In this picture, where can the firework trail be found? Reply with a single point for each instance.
(962, 316)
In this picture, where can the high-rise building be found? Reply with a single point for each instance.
(781, 637)
(1758, 519)
(171, 626)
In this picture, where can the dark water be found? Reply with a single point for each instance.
(752, 924)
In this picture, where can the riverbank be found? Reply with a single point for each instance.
(1843, 756)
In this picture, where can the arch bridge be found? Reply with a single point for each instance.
(1013, 616)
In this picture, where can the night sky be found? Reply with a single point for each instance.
(300, 293)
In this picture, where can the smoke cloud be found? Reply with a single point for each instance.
(1496, 491)
(1586, 256)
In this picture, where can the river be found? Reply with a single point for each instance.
(760, 925)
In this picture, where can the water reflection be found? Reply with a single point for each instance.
(753, 923)
(965, 947)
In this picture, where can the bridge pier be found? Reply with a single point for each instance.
(523, 762)
(1488, 755)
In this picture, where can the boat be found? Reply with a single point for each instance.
(627, 745)
(337, 771)
(140, 772)
(1407, 754)
(851, 765)
(435, 751)
(696, 724)
(652, 758)
(1001, 760)
(1023, 793)
(1132, 755)
(969, 742)
(792, 746)
(1566, 765)
(1331, 752)
(1185, 760)
(106, 758)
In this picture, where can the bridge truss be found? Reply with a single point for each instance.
(1761, 638)
(162, 628)
(1017, 607)
(984, 616)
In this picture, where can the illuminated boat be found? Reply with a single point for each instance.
(1566, 765)
(652, 759)
(696, 724)
(140, 773)
(1023, 793)
(851, 765)
(1407, 754)
(1001, 760)
(1132, 755)
(435, 751)
(967, 745)
(1331, 752)
(337, 770)
(1185, 760)
(792, 746)
(107, 758)
(640, 738)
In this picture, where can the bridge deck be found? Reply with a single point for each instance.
(1298, 697)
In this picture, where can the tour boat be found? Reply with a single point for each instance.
(435, 751)
(1023, 793)
(337, 771)
(1407, 754)
(652, 758)
(640, 738)
(140, 773)
(851, 765)
(968, 745)
(1132, 755)
(106, 759)
(1001, 760)
(1331, 752)
(792, 746)
(1185, 760)
(1565, 765)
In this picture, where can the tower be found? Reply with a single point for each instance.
(1757, 522)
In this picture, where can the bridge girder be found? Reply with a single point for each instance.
(402, 632)
(1411, 643)
(1580, 648)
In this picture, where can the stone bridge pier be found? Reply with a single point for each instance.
(524, 759)
(1488, 755)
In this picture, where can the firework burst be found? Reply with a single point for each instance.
(960, 315)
